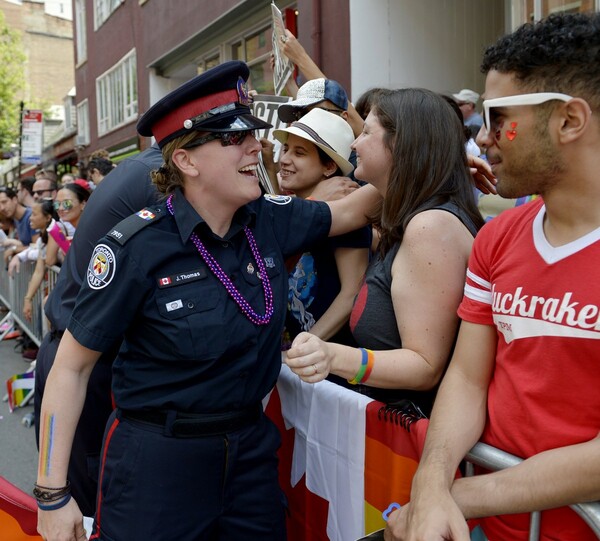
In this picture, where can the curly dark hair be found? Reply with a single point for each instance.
(558, 54)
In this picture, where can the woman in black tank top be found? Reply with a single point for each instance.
(404, 318)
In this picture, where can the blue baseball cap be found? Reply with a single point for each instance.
(311, 93)
(214, 101)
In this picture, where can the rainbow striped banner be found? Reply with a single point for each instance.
(341, 463)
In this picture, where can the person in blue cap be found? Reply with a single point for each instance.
(197, 288)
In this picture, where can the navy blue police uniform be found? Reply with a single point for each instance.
(188, 453)
(189, 350)
(127, 189)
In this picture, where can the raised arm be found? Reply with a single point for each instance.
(61, 407)
(294, 50)
(354, 210)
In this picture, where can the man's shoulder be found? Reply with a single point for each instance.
(508, 229)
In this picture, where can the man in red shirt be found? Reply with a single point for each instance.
(524, 376)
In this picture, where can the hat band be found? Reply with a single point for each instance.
(175, 120)
(313, 134)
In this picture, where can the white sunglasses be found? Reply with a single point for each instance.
(520, 99)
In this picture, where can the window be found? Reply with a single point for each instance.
(80, 32)
(70, 112)
(83, 124)
(210, 61)
(116, 92)
(255, 50)
(103, 10)
(552, 6)
(534, 10)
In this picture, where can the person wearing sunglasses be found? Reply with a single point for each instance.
(19, 215)
(44, 188)
(197, 288)
(69, 204)
(524, 377)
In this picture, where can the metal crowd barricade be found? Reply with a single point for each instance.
(12, 292)
(494, 459)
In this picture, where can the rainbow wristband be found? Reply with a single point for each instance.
(363, 368)
(370, 364)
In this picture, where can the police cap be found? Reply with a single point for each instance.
(214, 101)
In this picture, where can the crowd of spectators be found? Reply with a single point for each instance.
(385, 311)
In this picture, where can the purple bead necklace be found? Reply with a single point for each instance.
(216, 269)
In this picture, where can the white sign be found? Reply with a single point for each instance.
(283, 67)
(265, 106)
(32, 137)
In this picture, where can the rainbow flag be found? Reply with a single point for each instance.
(20, 389)
(392, 455)
(340, 463)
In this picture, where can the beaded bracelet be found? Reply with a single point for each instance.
(54, 506)
(363, 368)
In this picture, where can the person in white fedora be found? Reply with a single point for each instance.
(324, 280)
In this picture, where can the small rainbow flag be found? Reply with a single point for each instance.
(20, 389)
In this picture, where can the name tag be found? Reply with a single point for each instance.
(181, 278)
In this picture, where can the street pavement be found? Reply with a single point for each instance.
(18, 451)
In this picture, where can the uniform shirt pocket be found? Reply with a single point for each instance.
(194, 314)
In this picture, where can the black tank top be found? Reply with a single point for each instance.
(373, 320)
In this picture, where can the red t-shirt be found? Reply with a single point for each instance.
(545, 389)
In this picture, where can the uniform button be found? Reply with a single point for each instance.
(233, 276)
(190, 305)
(225, 245)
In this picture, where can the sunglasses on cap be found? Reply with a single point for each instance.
(67, 204)
(227, 138)
(535, 98)
(299, 112)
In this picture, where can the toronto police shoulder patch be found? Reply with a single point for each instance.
(101, 269)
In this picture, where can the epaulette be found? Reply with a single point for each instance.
(131, 225)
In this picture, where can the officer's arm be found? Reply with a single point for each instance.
(353, 211)
(64, 396)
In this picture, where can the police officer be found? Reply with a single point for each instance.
(127, 189)
(197, 287)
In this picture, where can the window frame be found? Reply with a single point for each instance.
(80, 32)
(83, 123)
(103, 9)
(117, 95)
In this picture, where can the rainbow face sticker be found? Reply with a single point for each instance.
(512, 133)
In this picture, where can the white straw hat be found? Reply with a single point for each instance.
(331, 133)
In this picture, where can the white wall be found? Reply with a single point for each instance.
(435, 44)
